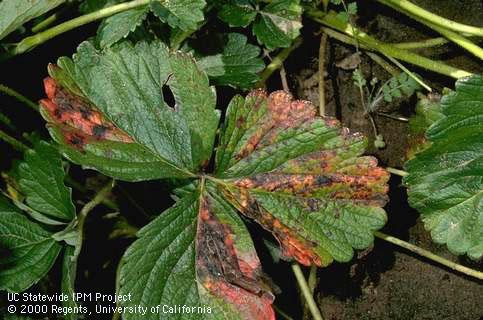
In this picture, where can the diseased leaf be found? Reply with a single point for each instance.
(14, 13)
(183, 14)
(301, 177)
(279, 23)
(41, 180)
(28, 251)
(108, 111)
(237, 66)
(196, 254)
(118, 26)
(445, 181)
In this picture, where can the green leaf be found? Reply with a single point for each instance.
(238, 13)
(118, 26)
(428, 111)
(237, 66)
(196, 254)
(16, 12)
(41, 180)
(28, 251)
(183, 14)
(88, 6)
(279, 23)
(301, 177)
(352, 8)
(398, 85)
(69, 269)
(445, 180)
(126, 128)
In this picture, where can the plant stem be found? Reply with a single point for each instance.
(322, 46)
(393, 71)
(16, 144)
(31, 42)
(7, 122)
(81, 218)
(409, 73)
(281, 313)
(443, 29)
(428, 43)
(278, 61)
(397, 172)
(45, 23)
(8, 91)
(427, 254)
(306, 291)
(399, 118)
(417, 12)
(371, 43)
(79, 187)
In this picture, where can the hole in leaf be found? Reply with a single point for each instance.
(168, 96)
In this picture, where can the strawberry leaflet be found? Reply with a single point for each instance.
(107, 109)
(301, 177)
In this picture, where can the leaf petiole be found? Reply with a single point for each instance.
(417, 12)
(9, 91)
(427, 254)
(314, 310)
(98, 198)
(370, 43)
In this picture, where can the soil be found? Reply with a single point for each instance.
(388, 282)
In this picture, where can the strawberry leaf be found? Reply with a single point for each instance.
(118, 26)
(182, 14)
(301, 177)
(28, 251)
(16, 13)
(445, 180)
(275, 25)
(238, 13)
(279, 23)
(41, 180)
(238, 65)
(108, 111)
(198, 254)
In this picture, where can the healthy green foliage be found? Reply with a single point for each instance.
(182, 14)
(41, 179)
(238, 65)
(28, 250)
(120, 25)
(14, 13)
(67, 285)
(276, 24)
(428, 111)
(398, 86)
(445, 180)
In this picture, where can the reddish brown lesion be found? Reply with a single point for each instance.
(292, 245)
(78, 120)
(282, 113)
(226, 273)
(370, 189)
